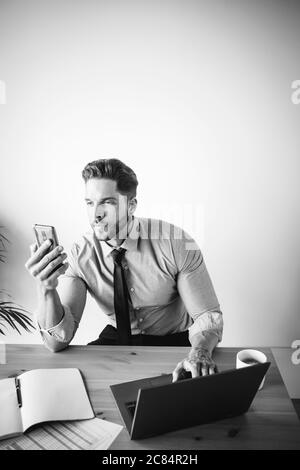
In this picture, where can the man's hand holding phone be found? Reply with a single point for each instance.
(43, 264)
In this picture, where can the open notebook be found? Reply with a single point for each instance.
(42, 395)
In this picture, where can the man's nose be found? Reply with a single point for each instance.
(99, 213)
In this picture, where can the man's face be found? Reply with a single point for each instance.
(108, 210)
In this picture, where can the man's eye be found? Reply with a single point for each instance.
(90, 203)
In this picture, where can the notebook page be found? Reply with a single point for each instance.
(10, 416)
(53, 394)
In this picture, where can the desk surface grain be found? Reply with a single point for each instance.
(270, 423)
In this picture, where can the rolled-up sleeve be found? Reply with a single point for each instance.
(197, 292)
(64, 330)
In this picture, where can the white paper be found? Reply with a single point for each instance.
(92, 434)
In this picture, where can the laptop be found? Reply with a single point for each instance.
(155, 405)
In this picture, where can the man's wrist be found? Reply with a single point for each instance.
(44, 293)
(199, 353)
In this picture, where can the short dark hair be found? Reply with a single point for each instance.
(113, 169)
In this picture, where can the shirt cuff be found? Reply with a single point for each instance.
(64, 330)
(206, 330)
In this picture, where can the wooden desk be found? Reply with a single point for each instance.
(271, 422)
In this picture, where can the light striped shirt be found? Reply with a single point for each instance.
(168, 283)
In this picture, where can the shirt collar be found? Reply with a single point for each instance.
(129, 244)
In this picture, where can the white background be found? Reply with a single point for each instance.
(195, 96)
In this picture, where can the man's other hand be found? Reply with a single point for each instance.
(199, 362)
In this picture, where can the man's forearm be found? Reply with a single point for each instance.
(50, 310)
(204, 335)
(55, 321)
(206, 331)
(205, 341)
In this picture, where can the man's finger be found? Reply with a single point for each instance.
(38, 254)
(191, 367)
(177, 371)
(47, 270)
(33, 248)
(212, 369)
(204, 369)
(58, 272)
(49, 260)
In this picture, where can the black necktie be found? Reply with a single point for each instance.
(121, 298)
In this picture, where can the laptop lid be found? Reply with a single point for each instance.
(170, 406)
(126, 395)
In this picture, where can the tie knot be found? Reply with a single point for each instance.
(118, 255)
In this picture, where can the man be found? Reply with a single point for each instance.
(147, 276)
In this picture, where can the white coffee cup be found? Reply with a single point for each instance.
(248, 357)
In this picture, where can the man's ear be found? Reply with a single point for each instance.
(132, 206)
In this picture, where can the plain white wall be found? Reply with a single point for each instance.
(195, 96)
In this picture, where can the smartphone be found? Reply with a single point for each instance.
(46, 232)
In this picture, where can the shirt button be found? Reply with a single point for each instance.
(137, 308)
(140, 320)
(125, 266)
(132, 289)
